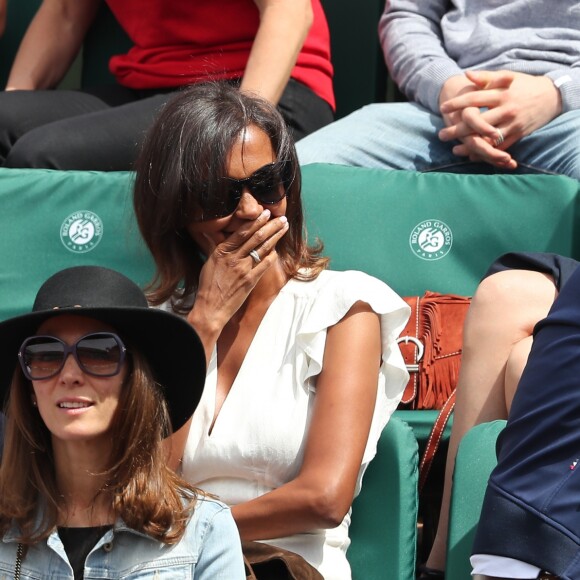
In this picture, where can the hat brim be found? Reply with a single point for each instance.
(169, 343)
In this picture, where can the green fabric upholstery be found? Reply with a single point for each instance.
(360, 74)
(422, 423)
(366, 219)
(475, 460)
(38, 236)
(104, 39)
(384, 515)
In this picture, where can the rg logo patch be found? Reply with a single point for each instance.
(81, 231)
(431, 239)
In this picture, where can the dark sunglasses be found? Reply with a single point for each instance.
(100, 354)
(269, 185)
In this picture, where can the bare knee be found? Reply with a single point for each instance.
(514, 300)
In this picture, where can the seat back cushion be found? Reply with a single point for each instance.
(56, 219)
(435, 231)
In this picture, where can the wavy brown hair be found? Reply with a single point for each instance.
(143, 491)
(183, 160)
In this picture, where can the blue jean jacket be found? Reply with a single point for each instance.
(209, 549)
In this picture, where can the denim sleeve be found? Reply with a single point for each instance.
(221, 555)
(412, 42)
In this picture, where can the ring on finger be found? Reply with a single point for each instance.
(255, 256)
(499, 139)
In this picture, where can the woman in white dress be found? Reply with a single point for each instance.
(303, 368)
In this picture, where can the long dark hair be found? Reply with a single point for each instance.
(183, 158)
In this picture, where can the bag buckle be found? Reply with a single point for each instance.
(413, 368)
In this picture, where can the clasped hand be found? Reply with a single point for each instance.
(476, 105)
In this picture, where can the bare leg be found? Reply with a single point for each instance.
(503, 313)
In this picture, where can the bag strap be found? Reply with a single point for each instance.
(435, 439)
(412, 350)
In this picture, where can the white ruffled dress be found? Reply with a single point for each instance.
(256, 444)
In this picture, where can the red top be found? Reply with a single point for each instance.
(183, 42)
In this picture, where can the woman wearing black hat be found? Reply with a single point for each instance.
(85, 491)
(303, 368)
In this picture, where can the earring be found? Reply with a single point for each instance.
(34, 403)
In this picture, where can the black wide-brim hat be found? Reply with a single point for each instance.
(169, 343)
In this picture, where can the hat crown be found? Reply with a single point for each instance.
(88, 287)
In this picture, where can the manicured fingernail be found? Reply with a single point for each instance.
(266, 213)
(283, 219)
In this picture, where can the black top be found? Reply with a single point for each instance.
(78, 542)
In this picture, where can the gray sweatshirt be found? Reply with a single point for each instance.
(427, 41)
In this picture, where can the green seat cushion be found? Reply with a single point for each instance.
(384, 515)
(435, 231)
(421, 421)
(56, 219)
(104, 39)
(475, 461)
(360, 74)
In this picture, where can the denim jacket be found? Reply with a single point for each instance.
(209, 549)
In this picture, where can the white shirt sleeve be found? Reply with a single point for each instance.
(501, 567)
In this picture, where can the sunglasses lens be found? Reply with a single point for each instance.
(223, 207)
(42, 357)
(99, 354)
(266, 185)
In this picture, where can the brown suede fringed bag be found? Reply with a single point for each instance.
(267, 562)
(431, 345)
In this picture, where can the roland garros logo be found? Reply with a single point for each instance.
(431, 240)
(81, 231)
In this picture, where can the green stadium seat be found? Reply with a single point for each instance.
(373, 220)
(104, 39)
(384, 515)
(360, 74)
(475, 460)
(56, 219)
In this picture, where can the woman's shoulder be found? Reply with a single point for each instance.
(206, 509)
(334, 278)
(333, 293)
(209, 505)
(349, 286)
(211, 517)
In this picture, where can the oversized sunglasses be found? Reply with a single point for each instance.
(268, 185)
(100, 354)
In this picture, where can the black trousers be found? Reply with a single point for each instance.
(102, 129)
